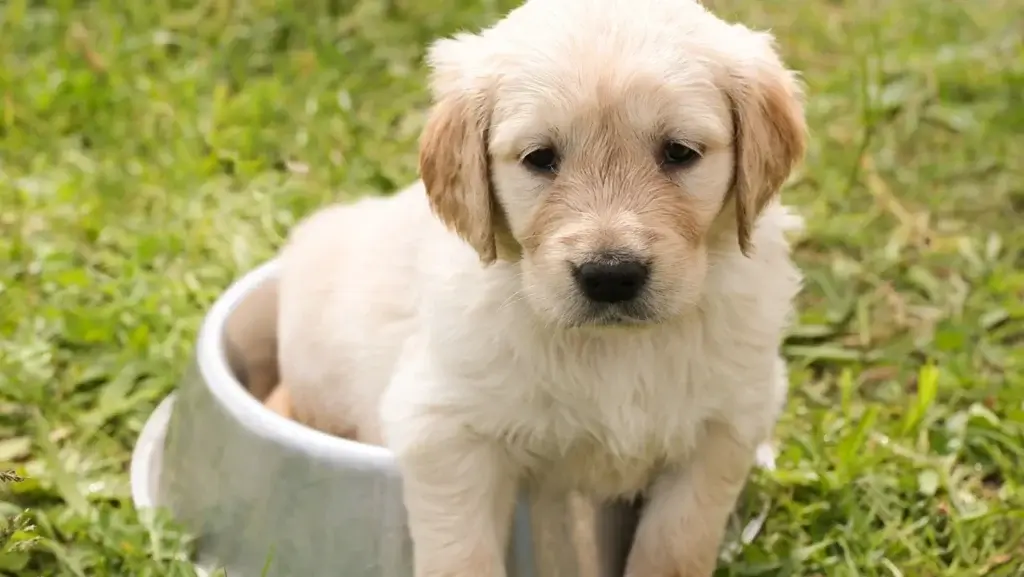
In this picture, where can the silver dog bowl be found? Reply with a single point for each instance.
(266, 496)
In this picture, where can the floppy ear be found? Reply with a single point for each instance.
(770, 132)
(455, 169)
(454, 156)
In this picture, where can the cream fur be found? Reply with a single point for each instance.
(443, 323)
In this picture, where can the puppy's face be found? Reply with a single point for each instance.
(607, 157)
(610, 180)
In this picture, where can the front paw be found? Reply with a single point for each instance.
(459, 486)
(459, 496)
(459, 503)
(458, 560)
(683, 524)
(669, 556)
(455, 537)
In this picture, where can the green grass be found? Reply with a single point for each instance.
(151, 152)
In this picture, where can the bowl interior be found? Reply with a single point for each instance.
(250, 339)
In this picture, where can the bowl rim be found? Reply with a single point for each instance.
(247, 411)
(149, 447)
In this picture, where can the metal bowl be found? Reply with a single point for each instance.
(266, 496)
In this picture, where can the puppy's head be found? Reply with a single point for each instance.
(608, 146)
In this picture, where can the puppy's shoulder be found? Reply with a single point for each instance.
(768, 272)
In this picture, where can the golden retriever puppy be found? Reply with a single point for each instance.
(587, 291)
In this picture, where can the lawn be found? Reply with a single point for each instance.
(151, 152)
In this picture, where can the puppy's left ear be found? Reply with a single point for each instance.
(770, 129)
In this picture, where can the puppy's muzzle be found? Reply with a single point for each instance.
(610, 281)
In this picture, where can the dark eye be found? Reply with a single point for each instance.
(676, 154)
(542, 160)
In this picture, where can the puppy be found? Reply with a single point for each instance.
(280, 402)
(586, 291)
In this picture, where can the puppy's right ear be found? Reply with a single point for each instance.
(454, 162)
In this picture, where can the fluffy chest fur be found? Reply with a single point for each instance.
(605, 411)
(602, 411)
(595, 414)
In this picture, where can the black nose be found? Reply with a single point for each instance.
(611, 282)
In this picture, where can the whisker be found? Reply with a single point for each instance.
(514, 298)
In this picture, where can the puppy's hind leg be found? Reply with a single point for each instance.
(280, 402)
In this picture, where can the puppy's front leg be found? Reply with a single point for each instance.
(682, 526)
(459, 494)
(459, 498)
